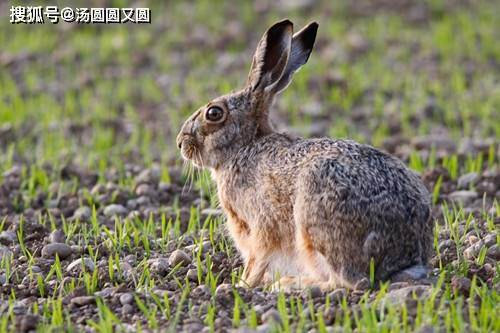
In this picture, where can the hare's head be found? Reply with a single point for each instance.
(220, 128)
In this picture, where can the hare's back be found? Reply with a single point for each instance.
(361, 180)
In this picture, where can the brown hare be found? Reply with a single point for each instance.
(315, 212)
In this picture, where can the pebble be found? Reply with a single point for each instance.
(151, 175)
(127, 309)
(4, 252)
(158, 266)
(461, 284)
(8, 237)
(272, 315)
(61, 249)
(439, 142)
(473, 251)
(494, 252)
(82, 300)
(465, 181)
(143, 189)
(399, 296)
(192, 275)
(362, 285)
(223, 289)
(464, 197)
(77, 265)
(490, 239)
(57, 236)
(313, 291)
(337, 295)
(126, 298)
(115, 209)
(83, 214)
(179, 257)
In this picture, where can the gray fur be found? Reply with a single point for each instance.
(318, 209)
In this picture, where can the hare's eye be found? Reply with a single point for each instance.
(214, 114)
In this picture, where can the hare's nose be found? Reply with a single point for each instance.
(179, 140)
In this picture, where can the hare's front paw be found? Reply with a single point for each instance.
(297, 283)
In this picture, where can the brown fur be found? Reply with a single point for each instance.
(312, 211)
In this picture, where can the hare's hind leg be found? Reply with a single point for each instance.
(328, 242)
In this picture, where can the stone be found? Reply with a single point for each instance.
(337, 295)
(461, 284)
(4, 252)
(115, 209)
(61, 249)
(413, 273)
(465, 181)
(439, 142)
(143, 190)
(151, 175)
(77, 265)
(126, 298)
(57, 236)
(272, 315)
(362, 285)
(463, 197)
(158, 266)
(192, 275)
(179, 257)
(83, 300)
(400, 296)
(83, 214)
(494, 252)
(127, 309)
(8, 237)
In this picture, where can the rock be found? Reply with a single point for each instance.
(494, 252)
(192, 275)
(337, 295)
(272, 315)
(61, 249)
(77, 265)
(362, 285)
(151, 175)
(158, 266)
(127, 309)
(8, 237)
(83, 300)
(461, 284)
(223, 289)
(473, 251)
(465, 181)
(57, 236)
(4, 252)
(200, 291)
(463, 197)
(179, 257)
(126, 298)
(400, 296)
(413, 273)
(144, 190)
(445, 244)
(313, 291)
(115, 209)
(439, 142)
(27, 322)
(490, 239)
(83, 214)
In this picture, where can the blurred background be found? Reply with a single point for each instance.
(402, 75)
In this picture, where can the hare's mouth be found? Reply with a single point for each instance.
(190, 151)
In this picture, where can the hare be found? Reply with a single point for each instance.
(313, 212)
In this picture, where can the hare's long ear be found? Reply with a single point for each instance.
(302, 45)
(271, 56)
